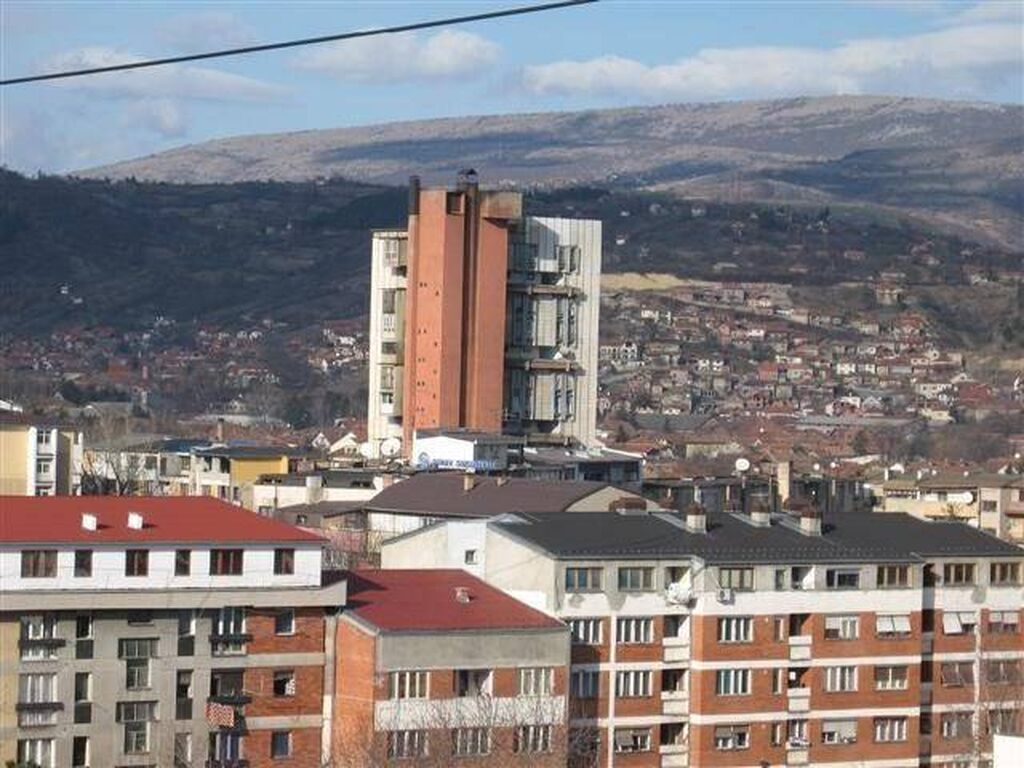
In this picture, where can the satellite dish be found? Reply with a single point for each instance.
(366, 450)
(391, 447)
(742, 465)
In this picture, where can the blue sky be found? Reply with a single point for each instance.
(613, 53)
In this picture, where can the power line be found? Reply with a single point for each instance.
(296, 43)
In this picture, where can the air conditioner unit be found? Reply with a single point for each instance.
(725, 595)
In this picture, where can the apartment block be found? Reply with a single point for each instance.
(39, 458)
(162, 632)
(436, 667)
(763, 639)
(484, 319)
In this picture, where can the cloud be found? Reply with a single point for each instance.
(205, 30)
(165, 117)
(402, 57)
(960, 61)
(989, 12)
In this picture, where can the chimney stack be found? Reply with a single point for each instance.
(468, 482)
(760, 515)
(696, 519)
(810, 521)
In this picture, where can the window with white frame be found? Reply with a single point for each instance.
(1003, 622)
(736, 578)
(583, 579)
(532, 739)
(403, 745)
(585, 631)
(891, 678)
(956, 725)
(1003, 671)
(958, 574)
(633, 683)
(842, 627)
(838, 731)
(37, 689)
(408, 685)
(840, 679)
(892, 625)
(893, 576)
(732, 682)
(890, 729)
(136, 717)
(467, 742)
(1000, 574)
(536, 681)
(735, 629)
(136, 653)
(959, 622)
(634, 631)
(585, 683)
(1003, 720)
(34, 629)
(956, 674)
(632, 739)
(842, 578)
(36, 752)
(796, 733)
(730, 737)
(636, 579)
(229, 628)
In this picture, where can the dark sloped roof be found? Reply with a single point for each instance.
(443, 494)
(733, 539)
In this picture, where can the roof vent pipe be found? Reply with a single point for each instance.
(89, 522)
(135, 521)
(462, 595)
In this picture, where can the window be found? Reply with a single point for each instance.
(1004, 573)
(227, 562)
(280, 744)
(585, 631)
(80, 752)
(37, 751)
(473, 682)
(959, 622)
(891, 678)
(43, 467)
(182, 562)
(83, 563)
(37, 689)
(284, 562)
(136, 618)
(729, 737)
(842, 578)
(635, 631)
(83, 686)
(958, 574)
(893, 576)
(956, 725)
(845, 627)
(732, 682)
(778, 680)
(797, 732)
(735, 629)
(469, 557)
(779, 628)
(408, 685)
(38, 628)
(136, 654)
(736, 578)
(840, 679)
(136, 562)
(38, 563)
(228, 632)
(584, 683)
(1004, 721)
(136, 717)
(182, 750)
(471, 741)
(536, 681)
(890, 625)
(582, 579)
(956, 674)
(838, 731)
(632, 739)
(636, 579)
(777, 731)
(890, 729)
(83, 626)
(284, 622)
(798, 576)
(1002, 671)
(633, 683)
(284, 683)
(1003, 622)
(533, 739)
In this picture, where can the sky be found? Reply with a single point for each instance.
(611, 53)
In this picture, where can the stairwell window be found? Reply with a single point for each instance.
(889, 729)
(732, 682)
(635, 631)
(736, 629)
(732, 737)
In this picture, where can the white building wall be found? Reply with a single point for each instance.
(380, 423)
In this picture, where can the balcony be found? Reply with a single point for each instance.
(797, 753)
(799, 699)
(39, 706)
(50, 643)
(799, 647)
(675, 703)
(235, 698)
(671, 758)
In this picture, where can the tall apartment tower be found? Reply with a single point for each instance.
(483, 319)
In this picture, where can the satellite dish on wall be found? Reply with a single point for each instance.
(391, 447)
(366, 450)
(742, 465)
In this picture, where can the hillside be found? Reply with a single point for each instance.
(956, 165)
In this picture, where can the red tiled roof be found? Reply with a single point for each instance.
(425, 599)
(166, 519)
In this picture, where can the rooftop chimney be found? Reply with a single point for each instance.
(760, 515)
(696, 519)
(89, 522)
(462, 595)
(135, 521)
(810, 521)
(468, 482)
(503, 480)
(220, 430)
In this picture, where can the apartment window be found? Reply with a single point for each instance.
(891, 678)
(1002, 671)
(36, 751)
(280, 744)
(43, 437)
(43, 467)
(585, 631)
(38, 628)
(226, 562)
(958, 574)
(536, 681)
(182, 562)
(136, 717)
(838, 731)
(632, 739)
(779, 628)
(136, 562)
(777, 734)
(408, 685)
(634, 631)
(136, 653)
(633, 683)
(1003, 622)
(636, 579)
(736, 578)
(582, 579)
(890, 625)
(467, 742)
(1004, 721)
(473, 682)
(80, 752)
(730, 737)
(842, 578)
(470, 557)
(798, 576)
(284, 622)
(38, 563)
(225, 746)
(284, 562)
(585, 683)
(778, 680)
(890, 729)
(228, 632)
(37, 689)
(840, 679)
(959, 622)
(83, 563)
(182, 750)
(844, 627)
(735, 629)
(83, 687)
(956, 725)
(1004, 573)
(532, 739)
(956, 674)
(732, 682)
(284, 683)
(797, 732)
(893, 576)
